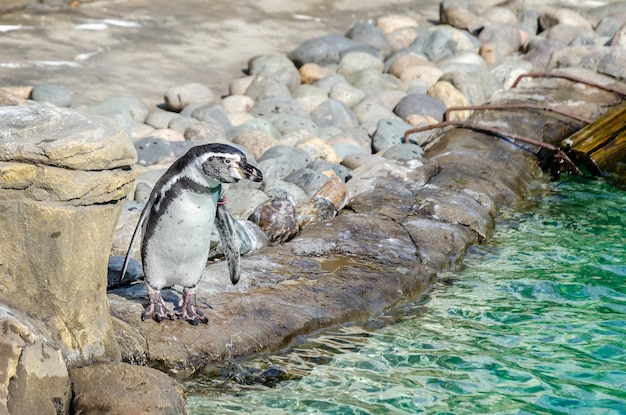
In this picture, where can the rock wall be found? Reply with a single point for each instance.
(63, 176)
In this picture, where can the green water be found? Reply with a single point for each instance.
(534, 323)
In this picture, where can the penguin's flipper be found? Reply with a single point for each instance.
(230, 241)
(142, 219)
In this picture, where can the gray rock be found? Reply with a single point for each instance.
(614, 63)
(435, 45)
(478, 86)
(281, 188)
(256, 124)
(290, 123)
(333, 113)
(281, 160)
(178, 97)
(500, 15)
(389, 132)
(273, 109)
(277, 65)
(154, 150)
(307, 179)
(618, 40)
(588, 57)
(505, 39)
(206, 132)
(181, 124)
(123, 120)
(553, 16)
(160, 119)
(539, 52)
(267, 86)
(441, 245)
(251, 238)
(327, 83)
(362, 49)
(241, 201)
(509, 69)
(190, 108)
(404, 151)
(346, 93)
(53, 94)
(123, 388)
(129, 105)
(373, 81)
(528, 20)
(355, 61)
(139, 130)
(321, 166)
(213, 115)
(300, 157)
(456, 13)
(369, 34)
(420, 104)
(72, 140)
(355, 136)
(372, 109)
(114, 269)
(608, 25)
(566, 34)
(321, 50)
(345, 149)
(306, 90)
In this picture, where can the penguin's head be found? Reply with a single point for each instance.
(228, 164)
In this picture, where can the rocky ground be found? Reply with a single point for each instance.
(366, 219)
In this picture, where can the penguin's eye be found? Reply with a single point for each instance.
(227, 161)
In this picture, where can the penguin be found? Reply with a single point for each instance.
(177, 220)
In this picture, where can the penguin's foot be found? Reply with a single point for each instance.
(156, 308)
(187, 309)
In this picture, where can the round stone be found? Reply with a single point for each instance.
(420, 104)
(178, 97)
(53, 94)
(257, 142)
(277, 217)
(333, 113)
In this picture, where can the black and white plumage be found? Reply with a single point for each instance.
(177, 222)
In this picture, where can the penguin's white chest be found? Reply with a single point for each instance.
(178, 248)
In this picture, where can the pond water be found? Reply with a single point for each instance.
(534, 323)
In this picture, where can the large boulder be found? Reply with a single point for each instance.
(63, 177)
(120, 388)
(32, 366)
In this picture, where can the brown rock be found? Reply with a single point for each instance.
(450, 96)
(121, 388)
(34, 378)
(311, 72)
(277, 218)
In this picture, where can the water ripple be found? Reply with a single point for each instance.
(534, 324)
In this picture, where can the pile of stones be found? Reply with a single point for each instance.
(330, 109)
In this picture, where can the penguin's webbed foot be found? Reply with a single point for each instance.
(156, 308)
(187, 309)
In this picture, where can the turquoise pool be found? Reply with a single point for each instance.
(533, 323)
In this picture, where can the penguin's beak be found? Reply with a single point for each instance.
(251, 173)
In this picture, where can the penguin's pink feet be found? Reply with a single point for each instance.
(187, 308)
(156, 308)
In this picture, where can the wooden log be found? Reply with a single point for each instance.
(601, 145)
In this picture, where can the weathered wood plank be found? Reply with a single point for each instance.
(601, 146)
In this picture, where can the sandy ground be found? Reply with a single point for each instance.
(143, 47)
